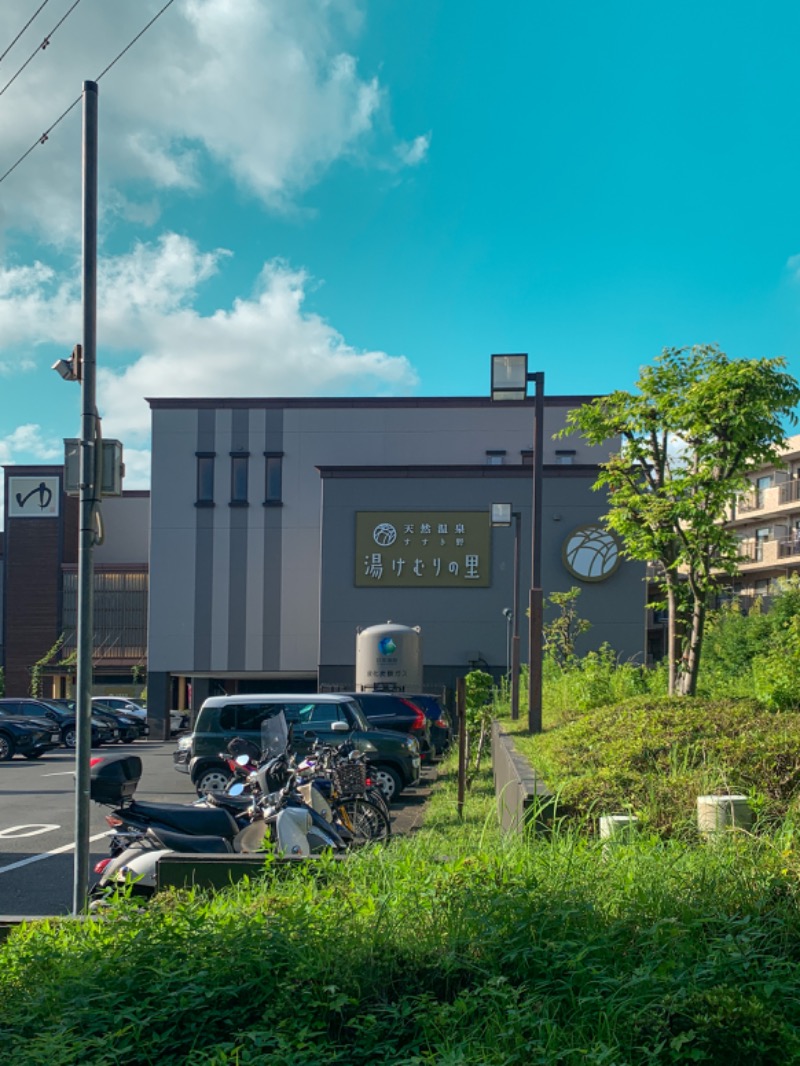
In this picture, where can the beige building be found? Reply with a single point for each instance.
(767, 522)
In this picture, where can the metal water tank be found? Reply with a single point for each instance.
(389, 659)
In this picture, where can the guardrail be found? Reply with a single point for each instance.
(524, 802)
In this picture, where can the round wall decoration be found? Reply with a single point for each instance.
(591, 553)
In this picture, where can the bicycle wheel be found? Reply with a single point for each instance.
(375, 796)
(365, 820)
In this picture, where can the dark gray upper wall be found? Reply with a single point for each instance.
(463, 624)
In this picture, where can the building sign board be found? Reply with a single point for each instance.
(33, 497)
(423, 549)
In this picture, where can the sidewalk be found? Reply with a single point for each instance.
(408, 812)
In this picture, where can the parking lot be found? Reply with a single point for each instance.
(37, 821)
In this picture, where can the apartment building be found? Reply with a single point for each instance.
(767, 522)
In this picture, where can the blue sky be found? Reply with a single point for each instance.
(343, 197)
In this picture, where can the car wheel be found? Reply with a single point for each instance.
(388, 781)
(212, 779)
(69, 737)
(34, 755)
(6, 747)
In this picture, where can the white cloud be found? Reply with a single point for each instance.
(265, 345)
(29, 441)
(412, 153)
(267, 89)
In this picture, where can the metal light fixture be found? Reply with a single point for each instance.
(70, 369)
(510, 379)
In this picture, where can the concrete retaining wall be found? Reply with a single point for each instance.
(524, 802)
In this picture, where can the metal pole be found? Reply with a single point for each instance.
(461, 712)
(88, 493)
(515, 636)
(535, 605)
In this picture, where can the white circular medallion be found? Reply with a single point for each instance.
(591, 553)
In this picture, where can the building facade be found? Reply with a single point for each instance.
(270, 522)
(40, 586)
(766, 521)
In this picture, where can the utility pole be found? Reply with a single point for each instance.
(88, 499)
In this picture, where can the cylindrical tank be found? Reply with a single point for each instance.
(389, 659)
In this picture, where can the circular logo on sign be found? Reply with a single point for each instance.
(591, 553)
(386, 646)
(384, 534)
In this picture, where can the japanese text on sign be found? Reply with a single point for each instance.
(422, 549)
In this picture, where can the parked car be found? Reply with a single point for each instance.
(29, 737)
(395, 710)
(127, 727)
(393, 758)
(138, 708)
(62, 718)
(438, 719)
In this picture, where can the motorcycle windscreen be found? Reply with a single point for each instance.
(274, 736)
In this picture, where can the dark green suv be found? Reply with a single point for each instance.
(394, 758)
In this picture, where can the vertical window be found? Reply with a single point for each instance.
(762, 536)
(273, 479)
(205, 479)
(762, 484)
(239, 461)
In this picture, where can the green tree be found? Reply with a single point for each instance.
(699, 423)
(561, 633)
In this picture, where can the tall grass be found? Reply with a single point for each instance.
(453, 946)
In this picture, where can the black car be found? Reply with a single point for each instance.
(26, 736)
(127, 727)
(438, 719)
(63, 720)
(396, 711)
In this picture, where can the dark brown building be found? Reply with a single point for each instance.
(39, 586)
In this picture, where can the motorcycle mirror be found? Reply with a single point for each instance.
(242, 760)
(236, 790)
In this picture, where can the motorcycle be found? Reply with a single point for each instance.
(146, 832)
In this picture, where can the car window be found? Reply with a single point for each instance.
(9, 707)
(246, 717)
(313, 713)
(32, 710)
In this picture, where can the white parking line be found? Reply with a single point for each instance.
(48, 854)
(61, 773)
(14, 832)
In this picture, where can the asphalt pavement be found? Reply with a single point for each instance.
(37, 821)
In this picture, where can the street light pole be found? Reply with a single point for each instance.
(536, 605)
(88, 493)
(502, 513)
(510, 379)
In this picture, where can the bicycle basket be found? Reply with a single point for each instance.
(349, 777)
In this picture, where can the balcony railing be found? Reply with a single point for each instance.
(788, 546)
(790, 491)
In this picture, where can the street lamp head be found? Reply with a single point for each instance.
(501, 514)
(64, 368)
(70, 369)
(508, 614)
(509, 377)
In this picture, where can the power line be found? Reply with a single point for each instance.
(30, 20)
(41, 47)
(63, 115)
(135, 39)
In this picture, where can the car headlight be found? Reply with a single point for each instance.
(185, 741)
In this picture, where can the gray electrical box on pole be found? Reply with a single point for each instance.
(113, 467)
